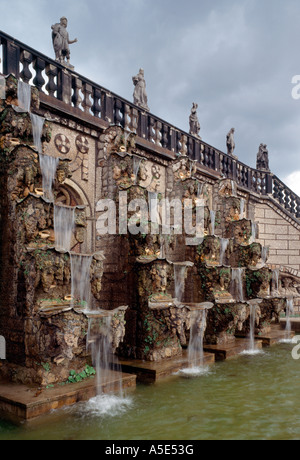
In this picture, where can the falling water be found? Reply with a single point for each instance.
(213, 222)
(252, 349)
(252, 328)
(80, 276)
(2, 87)
(162, 240)
(153, 207)
(195, 348)
(200, 189)
(264, 254)
(48, 168)
(179, 279)
(136, 166)
(223, 248)
(103, 357)
(275, 282)
(234, 188)
(253, 231)
(242, 208)
(289, 312)
(109, 386)
(237, 288)
(37, 129)
(24, 97)
(64, 221)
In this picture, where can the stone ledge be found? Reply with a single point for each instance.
(21, 402)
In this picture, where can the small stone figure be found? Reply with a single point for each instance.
(262, 162)
(139, 95)
(61, 41)
(230, 142)
(194, 122)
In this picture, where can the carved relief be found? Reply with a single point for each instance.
(62, 144)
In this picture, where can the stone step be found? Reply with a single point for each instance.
(273, 337)
(21, 402)
(150, 372)
(230, 350)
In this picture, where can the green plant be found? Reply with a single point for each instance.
(75, 377)
(46, 366)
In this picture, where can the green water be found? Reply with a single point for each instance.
(247, 398)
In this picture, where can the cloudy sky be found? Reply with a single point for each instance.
(235, 58)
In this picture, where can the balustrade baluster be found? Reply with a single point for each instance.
(134, 120)
(298, 208)
(39, 65)
(158, 135)
(87, 104)
(183, 142)
(26, 60)
(172, 140)
(151, 130)
(107, 113)
(190, 148)
(96, 109)
(77, 88)
(126, 117)
(165, 137)
(51, 72)
(143, 125)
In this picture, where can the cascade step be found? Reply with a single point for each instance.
(21, 402)
(151, 372)
(271, 338)
(230, 350)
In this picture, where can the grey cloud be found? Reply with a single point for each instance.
(235, 58)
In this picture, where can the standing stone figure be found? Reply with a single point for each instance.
(194, 122)
(61, 41)
(262, 162)
(139, 95)
(230, 142)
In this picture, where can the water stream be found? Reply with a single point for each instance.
(64, 221)
(237, 285)
(48, 168)
(2, 87)
(136, 166)
(37, 129)
(24, 97)
(179, 281)
(213, 222)
(80, 276)
(264, 254)
(153, 207)
(242, 208)
(288, 329)
(195, 348)
(223, 248)
(275, 282)
(110, 395)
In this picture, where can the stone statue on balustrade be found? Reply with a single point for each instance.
(194, 122)
(230, 143)
(262, 161)
(61, 42)
(139, 95)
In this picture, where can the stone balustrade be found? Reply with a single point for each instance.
(64, 84)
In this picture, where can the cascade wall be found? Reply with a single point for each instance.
(85, 147)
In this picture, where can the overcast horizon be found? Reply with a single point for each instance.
(235, 59)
